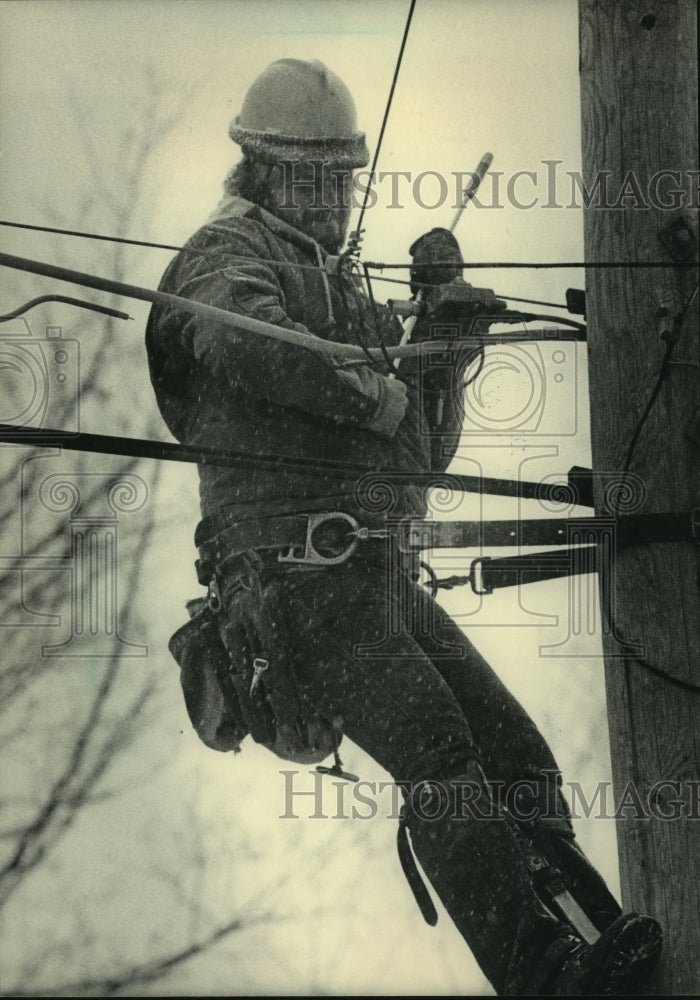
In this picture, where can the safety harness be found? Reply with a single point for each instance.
(329, 538)
(236, 639)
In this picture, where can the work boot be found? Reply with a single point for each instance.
(551, 834)
(477, 868)
(579, 876)
(618, 963)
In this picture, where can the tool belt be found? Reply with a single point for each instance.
(235, 654)
(324, 538)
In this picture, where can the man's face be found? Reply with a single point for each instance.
(316, 198)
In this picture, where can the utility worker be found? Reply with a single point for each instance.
(301, 649)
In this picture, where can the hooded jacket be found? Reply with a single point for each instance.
(228, 389)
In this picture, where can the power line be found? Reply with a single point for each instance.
(501, 265)
(372, 265)
(387, 109)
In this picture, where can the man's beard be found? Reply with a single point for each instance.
(263, 184)
(328, 226)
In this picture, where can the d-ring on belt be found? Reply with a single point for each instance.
(326, 538)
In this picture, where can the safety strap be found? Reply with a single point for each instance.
(410, 870)
(627, 529)
(487, 574)
(328, 538)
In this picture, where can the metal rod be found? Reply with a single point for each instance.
(467, 195)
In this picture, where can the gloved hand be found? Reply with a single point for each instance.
(391, 410)
(389, 394)
(436, 259)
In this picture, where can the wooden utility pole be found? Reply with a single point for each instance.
(639, 117)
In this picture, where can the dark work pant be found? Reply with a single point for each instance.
(417, 696)
(412, 690)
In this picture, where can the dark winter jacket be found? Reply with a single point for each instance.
(229, 389)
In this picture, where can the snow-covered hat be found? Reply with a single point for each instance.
(299, 110)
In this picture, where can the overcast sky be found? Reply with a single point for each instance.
(477, 76)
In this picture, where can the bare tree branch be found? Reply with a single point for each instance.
(114, 195)
(148, 972)
(91, 754)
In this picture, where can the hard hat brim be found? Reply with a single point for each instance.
(271, 147)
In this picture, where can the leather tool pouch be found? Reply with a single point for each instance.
(203, 661)
(237, 673)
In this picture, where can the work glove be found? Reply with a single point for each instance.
(437, 259)
(391, 407)
(389, 395)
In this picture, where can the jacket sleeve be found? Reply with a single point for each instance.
(440, 376)
(287, 375)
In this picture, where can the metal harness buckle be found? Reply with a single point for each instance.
(476, 576)
(311, 556)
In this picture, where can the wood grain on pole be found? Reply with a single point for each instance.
(638, 64)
